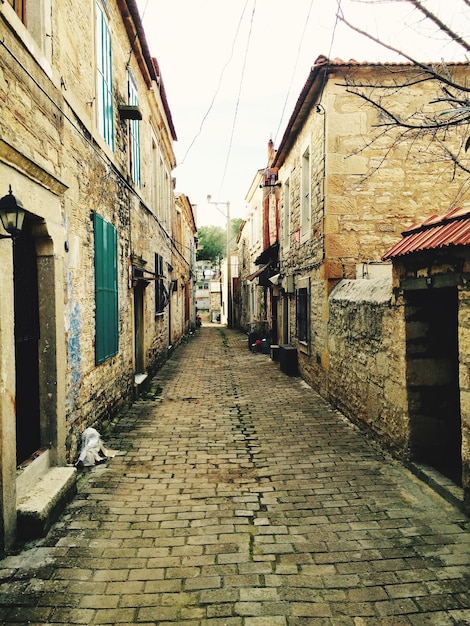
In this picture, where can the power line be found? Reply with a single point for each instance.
(238, 97)
(88, 140)
(193, 141)
(333, 35)
(294, 70)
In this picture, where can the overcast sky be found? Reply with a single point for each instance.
(233, 70)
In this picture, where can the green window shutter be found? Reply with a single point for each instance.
(106, 290)
(104, 79)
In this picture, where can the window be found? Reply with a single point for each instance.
(104, 85)
(178, 235)
(302, 311)
(36, 16)
(161, 293)
(165, 204)
(286, 214)
(134, 134)
(154, 184)
(305, 195)
(20, 9)
(253, 302)
(106, 290)
(161, 187)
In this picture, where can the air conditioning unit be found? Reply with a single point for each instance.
(288, 284)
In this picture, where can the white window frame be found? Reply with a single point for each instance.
(104, 78)
(301, 285)
(134, 133)
(34, 28)
(286, 214)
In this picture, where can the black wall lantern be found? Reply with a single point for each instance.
(11, 215)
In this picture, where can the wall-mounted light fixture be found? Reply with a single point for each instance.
(11, 215)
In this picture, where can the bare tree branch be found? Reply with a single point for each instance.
(440, 24)
(431, 134)
(397, 121)
(423, 66)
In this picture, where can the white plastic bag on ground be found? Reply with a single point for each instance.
(93, 449)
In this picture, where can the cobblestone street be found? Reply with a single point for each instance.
(240, 498)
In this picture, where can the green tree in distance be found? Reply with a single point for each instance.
(212, 244)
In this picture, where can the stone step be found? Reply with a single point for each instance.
(38, 509)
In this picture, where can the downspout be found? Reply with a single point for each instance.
(320, 109)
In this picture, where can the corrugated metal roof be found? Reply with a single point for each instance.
(451, 229)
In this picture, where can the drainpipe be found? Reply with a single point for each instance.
(320, 109)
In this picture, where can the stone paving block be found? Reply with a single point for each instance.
(264, 609)
(311, 609)
(219, 596)
(147, 574)
(272, 620)
(221, 511)
(69, 616)
(258, 594)
(161, 614)
(110, 575)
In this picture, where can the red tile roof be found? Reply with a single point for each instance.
(451, 229)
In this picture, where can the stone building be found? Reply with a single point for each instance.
(249, 247)
(258, 245)
(342, 206)
(431, 296)
(183, 301)
(205, 273)
(87, 147)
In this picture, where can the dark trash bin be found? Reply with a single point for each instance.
(288, 359)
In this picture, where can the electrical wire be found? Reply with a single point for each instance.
(136, 35)
(219, 84)
(110, 166)
(328, 63)
(294, 70)
(238, 98)
(297, 59)
(144, 11)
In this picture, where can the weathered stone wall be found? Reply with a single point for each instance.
(376, 186)
(368, 189)
(431, 368)
(49, 133)
(366, 377)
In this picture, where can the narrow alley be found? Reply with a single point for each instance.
(240, 498)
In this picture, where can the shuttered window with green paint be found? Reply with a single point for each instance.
(106, 290)
(104, 77)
